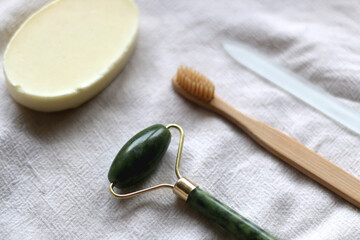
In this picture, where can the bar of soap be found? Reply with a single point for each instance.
(69, 51)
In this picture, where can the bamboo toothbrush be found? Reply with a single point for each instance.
(199, 89)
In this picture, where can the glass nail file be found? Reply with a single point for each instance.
(294, 84)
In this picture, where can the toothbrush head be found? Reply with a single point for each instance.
(193, 84)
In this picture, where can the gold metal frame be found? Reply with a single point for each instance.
(182, 187)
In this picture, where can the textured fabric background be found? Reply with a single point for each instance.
(53, 167)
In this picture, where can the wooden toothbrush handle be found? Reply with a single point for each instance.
(294, 153)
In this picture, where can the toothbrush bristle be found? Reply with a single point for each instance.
(195, 83)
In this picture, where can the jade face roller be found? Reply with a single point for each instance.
(139, 157)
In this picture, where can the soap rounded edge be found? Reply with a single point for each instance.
(82, 94)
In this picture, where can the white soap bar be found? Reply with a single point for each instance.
(69, 51)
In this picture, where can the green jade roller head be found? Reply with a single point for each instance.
(140, 156)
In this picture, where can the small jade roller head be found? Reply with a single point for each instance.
(140, 156)
(194, 83)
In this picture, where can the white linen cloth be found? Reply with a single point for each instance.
(53, 166)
